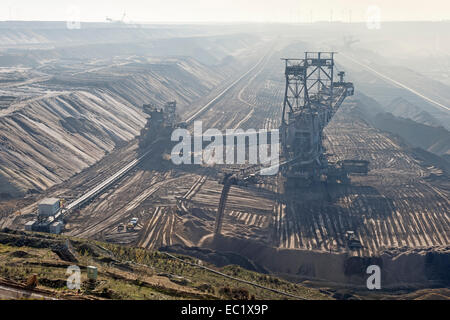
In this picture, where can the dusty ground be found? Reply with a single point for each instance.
(401, 203)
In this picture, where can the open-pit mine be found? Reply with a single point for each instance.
(86, 118)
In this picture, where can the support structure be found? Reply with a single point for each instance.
(311, 99)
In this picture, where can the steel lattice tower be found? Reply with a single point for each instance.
(310, 101)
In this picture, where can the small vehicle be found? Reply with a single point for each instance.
(352, 242)
(130, 226)
(120, 227)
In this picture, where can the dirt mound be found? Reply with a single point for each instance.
(19, 254)
(20, 239)
(358, 265)
(437, 266)
(56, 283)
(400, 268)
(217, 258)
(64, 253)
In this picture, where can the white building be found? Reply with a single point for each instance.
(48, 207)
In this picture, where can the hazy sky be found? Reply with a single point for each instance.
(223, 10)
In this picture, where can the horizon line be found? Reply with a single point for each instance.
(223, 22)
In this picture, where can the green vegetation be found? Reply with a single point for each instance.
(129, 273)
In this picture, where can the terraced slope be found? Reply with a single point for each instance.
(57, 131)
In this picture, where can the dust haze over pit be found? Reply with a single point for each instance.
(79, 118)
(200, 11)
